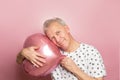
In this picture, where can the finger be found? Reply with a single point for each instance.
(40, 59)
(40, 55)
(62, 57)
(38, 63)
(66, 59)
(62, 62)
(35, 47)
(35, 64)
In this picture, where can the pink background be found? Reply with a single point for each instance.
(95, 22)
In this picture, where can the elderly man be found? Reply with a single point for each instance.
(83, 61)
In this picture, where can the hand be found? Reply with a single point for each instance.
(69, 64)
(34, 57)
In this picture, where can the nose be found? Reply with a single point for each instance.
(57, 38)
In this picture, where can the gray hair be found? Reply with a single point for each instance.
(56, 19)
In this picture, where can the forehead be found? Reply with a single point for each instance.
(53, 28)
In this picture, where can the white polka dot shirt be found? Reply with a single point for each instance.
(87, 58)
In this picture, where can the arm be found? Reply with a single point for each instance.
(19, 58)
(68, 64)
(31, 55)
(83, 76)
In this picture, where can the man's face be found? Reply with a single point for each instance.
(59, 35)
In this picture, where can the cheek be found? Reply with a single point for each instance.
(54, 42)
(66, 37)
(65, 33)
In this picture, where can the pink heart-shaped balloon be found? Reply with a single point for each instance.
(47, 48)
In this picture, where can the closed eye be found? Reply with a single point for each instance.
(58, 32)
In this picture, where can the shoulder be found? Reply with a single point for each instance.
(88, 48)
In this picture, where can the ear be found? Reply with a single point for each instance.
(67, 29)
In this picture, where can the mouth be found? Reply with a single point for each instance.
(61, 42)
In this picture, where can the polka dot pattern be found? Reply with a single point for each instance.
(87, 58)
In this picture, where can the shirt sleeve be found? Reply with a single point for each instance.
(96, 66)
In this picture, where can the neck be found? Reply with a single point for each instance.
(73, 45)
